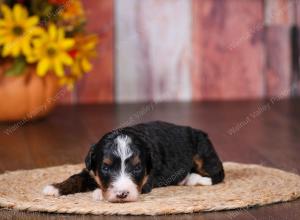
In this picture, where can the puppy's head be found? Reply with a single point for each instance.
(121, 165)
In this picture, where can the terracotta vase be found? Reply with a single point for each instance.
(27, 96)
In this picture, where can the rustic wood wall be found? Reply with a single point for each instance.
(183, 50)
(279, 19)
(98, 85)
(231, 45)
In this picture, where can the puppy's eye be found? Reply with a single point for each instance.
(137, 168)
(105, 168)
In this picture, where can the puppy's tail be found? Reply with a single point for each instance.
(81, 182)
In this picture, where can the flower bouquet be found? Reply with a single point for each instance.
(43, 42)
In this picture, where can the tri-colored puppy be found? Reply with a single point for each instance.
(133, 160)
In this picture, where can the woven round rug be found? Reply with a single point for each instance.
(244, 186)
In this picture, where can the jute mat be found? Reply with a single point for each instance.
(244, 186)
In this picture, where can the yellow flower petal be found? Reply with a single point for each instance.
(26, 47)
(38, 31)
(34, 20)
(2, 23)
(38, 42)
(58, 68)
(69, 82)
(31, 57)
(16, 50)
(67, 43)
(60, 34)
(6, 12)
(20, 13)
(43, 66)
(52, 32)
(76, 70)
(86, 65)
(66, 59)
(6, 50)
(3, 40)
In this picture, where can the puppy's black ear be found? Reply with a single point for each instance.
(146, 149)
(90, 158)
(148, 161)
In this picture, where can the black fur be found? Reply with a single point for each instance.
(167, 153)
(172, 148)
(81, 182)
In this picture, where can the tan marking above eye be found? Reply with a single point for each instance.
(107, 161)
(135, 160)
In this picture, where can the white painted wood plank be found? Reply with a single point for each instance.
(153, 50)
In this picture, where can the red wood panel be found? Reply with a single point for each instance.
(67, 97)
(297, 13)
(278, 57)
(232, 48)
(197, 50)
(97, 86)
(296, 70)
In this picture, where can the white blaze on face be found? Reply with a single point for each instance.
(123, 182)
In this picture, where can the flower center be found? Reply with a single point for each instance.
(51, 52)
(18, 31)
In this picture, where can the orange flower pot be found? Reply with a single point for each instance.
(28, 96)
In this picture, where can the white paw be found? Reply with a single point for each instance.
(205, 181)
(50, 191)
(97, 195)
(196, 179)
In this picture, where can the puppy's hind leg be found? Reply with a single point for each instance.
(81, 182)
(206, 161)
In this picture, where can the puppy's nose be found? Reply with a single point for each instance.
(122, 194)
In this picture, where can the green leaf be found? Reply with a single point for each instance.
(17, 68)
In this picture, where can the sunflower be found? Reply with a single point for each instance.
(17, 30)
(84, 50)
(51, 51)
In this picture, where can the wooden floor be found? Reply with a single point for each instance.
(265, 132)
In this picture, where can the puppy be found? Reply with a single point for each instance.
(133, 160)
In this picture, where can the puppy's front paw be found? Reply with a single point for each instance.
(97, 195)
(51, 191)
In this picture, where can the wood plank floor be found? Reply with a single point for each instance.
(262, 132)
